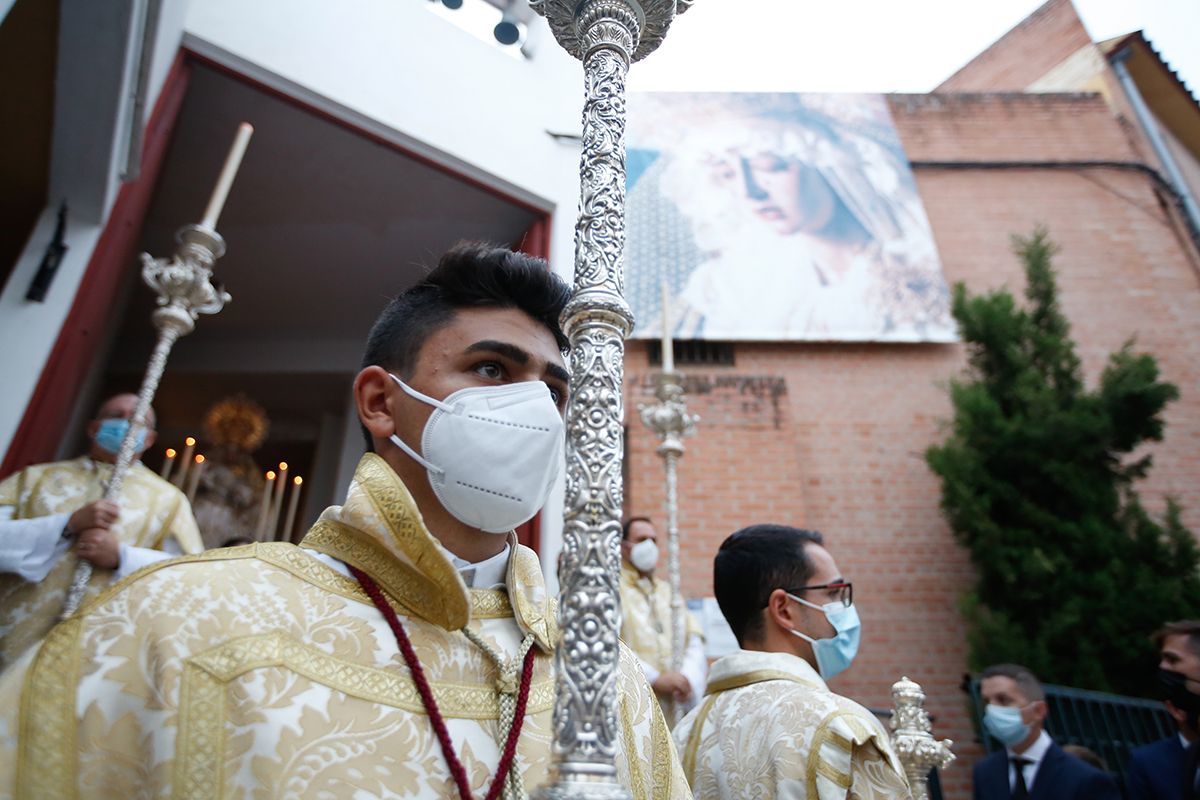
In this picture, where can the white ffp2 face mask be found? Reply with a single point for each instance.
(644, 555)
(492, 452)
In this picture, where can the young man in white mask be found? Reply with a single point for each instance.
(404, 649)
(1031, 766)
(52, 516)
(646, 622)
(768, 725)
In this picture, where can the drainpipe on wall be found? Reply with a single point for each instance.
(1150, 126)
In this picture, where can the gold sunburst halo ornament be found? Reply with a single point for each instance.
(237, 421)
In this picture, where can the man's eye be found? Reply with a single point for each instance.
(490, 369)
(555, 394)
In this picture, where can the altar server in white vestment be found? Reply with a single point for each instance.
(51, 515)
(403, 649)
(768, 725)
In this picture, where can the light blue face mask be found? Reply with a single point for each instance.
(112, 433)
(835, 655)
(1005, 723)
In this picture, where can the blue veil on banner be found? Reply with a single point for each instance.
(778, 217)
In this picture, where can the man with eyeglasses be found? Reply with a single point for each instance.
(768, 725)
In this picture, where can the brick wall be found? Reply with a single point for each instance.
(831, 436)
(1045, 39)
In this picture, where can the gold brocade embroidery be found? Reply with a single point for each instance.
(46, 759)
(661, 743)
(630, 747)
(816, 765)
(756, 676)
(694, 737)
(490, 604)
(399, 512)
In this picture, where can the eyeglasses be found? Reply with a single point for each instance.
(841, 592)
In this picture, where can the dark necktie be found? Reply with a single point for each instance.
(1020, 791)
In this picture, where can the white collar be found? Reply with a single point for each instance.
(491, 573)
(1184, 741)
(1036, 751)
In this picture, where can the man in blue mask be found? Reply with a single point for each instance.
(1031, 766)
(768, 725)
(51, 515)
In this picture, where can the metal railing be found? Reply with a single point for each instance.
(1110, 725)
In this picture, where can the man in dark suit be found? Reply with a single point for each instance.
(1031, 766)
(1166, 769)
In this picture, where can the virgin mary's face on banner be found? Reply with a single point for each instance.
(782, 192)
(776, 217)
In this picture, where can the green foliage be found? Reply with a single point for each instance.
(1037, 483)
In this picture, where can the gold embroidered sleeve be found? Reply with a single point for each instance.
(184, 530)
(10, 490)
(873, 777)
(11, 681)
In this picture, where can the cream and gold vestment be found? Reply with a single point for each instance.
(263, 671)
(155, 515)
(646, 628)
(769, 727)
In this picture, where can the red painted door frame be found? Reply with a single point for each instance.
(49, 409)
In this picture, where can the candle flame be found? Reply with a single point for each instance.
(283, 466)
(297, 480)
(189, 441)
(170, 452)
(270, 475)
(199, 459)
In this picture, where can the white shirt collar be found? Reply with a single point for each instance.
(491, 573)
(1183, 741)
(1036, 751)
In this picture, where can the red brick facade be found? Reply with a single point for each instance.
(831, 436)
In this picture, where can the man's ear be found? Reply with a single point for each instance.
(780, 611)
(1039, 710)
(373, 397)
(93, 428)
(1177, 714)
(151, 438)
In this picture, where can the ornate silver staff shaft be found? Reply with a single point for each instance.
(607, 35)
(915, 746)
(670, 420)
(185, 291)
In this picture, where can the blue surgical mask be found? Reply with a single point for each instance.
(112, 433)
(835, 655)
(1005, 723)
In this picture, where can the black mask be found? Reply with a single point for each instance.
(1180, 695)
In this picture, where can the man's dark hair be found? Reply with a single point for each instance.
(469, 275)
(754, 562)
(629, 524)
(1187, 628)
(1026, 681)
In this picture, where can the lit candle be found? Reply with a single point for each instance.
(264, 507)
(184, 461)
(277, 501)
(228, 172)
(293, 501)
(668, 352)
(194, 477)
(168, 462)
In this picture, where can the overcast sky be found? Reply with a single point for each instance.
(878, 45)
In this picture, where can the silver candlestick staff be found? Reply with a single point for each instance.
(185, 290)
(606, 35)
(671, 421)
(915, 746)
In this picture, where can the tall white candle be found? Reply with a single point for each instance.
(194, 477)
(228, 172)
(184, 461)
(168, 462)
(668, 351)
(277, 502)
(293, 502)
(264, 508)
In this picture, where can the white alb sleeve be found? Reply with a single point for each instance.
(30, 547)
(695, 666)
(134, 558)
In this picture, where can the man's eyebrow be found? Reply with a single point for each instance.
(518, 355)
(500, 348)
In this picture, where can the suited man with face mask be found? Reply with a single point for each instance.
(1031, 766)
(646, 621)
